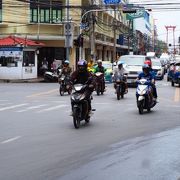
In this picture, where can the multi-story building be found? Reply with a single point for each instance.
(44, 21)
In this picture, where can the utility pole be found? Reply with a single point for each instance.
(92, 36)
(68, 29)
(114, 25)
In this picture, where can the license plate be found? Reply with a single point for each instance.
(129, 81)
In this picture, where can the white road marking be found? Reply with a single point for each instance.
(12, 107)
(10, 140)
(5, 104)
(43, 93)
(53, 108)
(32, 107)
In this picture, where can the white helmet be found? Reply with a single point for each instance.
(99, 61)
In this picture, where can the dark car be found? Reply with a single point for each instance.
(176, 74)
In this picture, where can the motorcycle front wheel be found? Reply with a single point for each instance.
(61, 90)
(76, 120)
(118, 93)
(140, 107)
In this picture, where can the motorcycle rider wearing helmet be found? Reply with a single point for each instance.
(146, 74)
(90, 65)
(82, 76)
(66, 70)
(100, 68)
(149, 63)
(119, 70)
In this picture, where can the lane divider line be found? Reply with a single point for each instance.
(177, 95)
(43, 93)
(10, 140)
(12, 107)
(53, 108)
(32, 107)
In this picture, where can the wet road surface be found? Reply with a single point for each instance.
(155, 157)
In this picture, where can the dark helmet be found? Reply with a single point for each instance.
(82, 65)
(146, 68)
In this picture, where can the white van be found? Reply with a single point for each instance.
(133, 65)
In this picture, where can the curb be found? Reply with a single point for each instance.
(22, 81)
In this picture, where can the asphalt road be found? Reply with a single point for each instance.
(38, 140)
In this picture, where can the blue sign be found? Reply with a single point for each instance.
(112, 1)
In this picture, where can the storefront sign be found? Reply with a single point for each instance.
(112, 1)
(28, 70)
(138, 14)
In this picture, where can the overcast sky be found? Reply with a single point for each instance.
(164, 17)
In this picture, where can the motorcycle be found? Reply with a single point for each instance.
(99, 83)
(52, 76)
(144, 95)
(120, 86)
(65, 85)
(80, 105)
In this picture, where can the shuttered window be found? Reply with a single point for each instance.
(46, 11)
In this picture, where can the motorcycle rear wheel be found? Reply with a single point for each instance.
(69, 91)
(98, 90)
(87, 119)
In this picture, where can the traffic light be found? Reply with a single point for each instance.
(79, 41)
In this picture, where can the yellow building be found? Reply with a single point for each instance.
(43, 21)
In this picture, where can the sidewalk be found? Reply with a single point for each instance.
(35, 80)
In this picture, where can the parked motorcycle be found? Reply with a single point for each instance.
(80, 105)
(99, 78)
(65, 85)
(144, 95)
(120, 86)
(52, 76)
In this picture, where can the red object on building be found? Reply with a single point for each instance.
(14, 41)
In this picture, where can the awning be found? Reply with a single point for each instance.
(15, 41)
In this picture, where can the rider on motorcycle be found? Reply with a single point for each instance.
(100, 68)
(146, 74)
(90, 65)
(149, 63)
(82, 76)
(66, 70)
(120, 71)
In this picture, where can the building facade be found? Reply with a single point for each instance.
(45, 21)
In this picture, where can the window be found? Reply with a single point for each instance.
(46, 11)
(8, 61)
(28, 58)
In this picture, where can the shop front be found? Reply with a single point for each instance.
(18, 58)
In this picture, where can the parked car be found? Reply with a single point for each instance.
(158, 69)
(176, 75)
(133, 65)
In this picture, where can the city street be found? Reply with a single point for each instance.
(39, 142)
